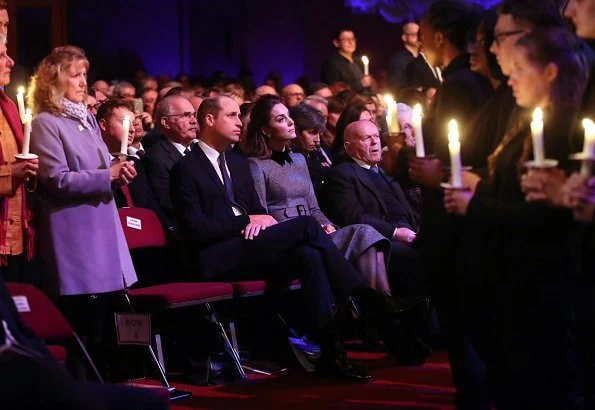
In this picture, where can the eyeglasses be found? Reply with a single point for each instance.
(499, 37)
(185, 115)
(295, 95)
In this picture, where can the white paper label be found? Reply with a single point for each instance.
(134, 223)
(22, 303)
(133, 328)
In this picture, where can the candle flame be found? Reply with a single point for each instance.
(587, 123)
(21, 90)
(417, 109)
(388, 97)
(453, 131)
(538, 115)
(365, 60)
(28, 111)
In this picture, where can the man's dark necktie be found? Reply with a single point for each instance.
(374, 169)
(187, 151)
(227, 183)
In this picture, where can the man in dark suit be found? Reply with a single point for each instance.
(138, 193)
(397, 65)
(30, 378)
(177, 120)
(357, 192)
(233, 238)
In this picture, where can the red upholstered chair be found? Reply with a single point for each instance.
(47, 323)
(144, 231)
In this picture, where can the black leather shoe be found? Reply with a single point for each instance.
(409, 350)
(337, 366)
(404, 305)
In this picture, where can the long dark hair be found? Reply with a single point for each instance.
(256, 141)
(350, 114)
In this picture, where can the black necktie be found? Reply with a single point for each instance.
(227, 183)
(374, 169)
(186, 151)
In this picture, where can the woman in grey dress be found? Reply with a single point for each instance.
(283, 184)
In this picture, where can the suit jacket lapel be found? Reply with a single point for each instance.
(208, 167)
(398, 191)
(171, 151)
(364, 178)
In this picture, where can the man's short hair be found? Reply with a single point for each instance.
(340, 30)
(406, 23)
(163, 109)
(539, 13)
(122, 85)
(315, 98)
(107, 108)
(211, 105)
(452, 18)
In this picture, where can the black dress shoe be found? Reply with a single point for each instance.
(337, 366)
(409, 350)
(404, 305)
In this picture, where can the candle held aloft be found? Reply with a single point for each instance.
(420, 150)
(27, 132)
(454, 148)
(588, 146)
(21, 103)
(392, 119)
(537, 136)
(366, 62)
(125, 131)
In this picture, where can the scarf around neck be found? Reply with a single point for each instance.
(78, 111)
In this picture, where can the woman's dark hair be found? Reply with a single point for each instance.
(562, 48)
(350, 114)
(452, 18)
(246, 109)
(256, 141)
(307, 118)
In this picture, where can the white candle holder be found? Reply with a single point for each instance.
(587, 161)
(26, 156)
(545, 164)
(451, 187)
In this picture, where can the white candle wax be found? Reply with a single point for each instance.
(537, 136)
(27, 132)
(393, 119)
(417, 131)
(588, 146)
(366, 62)
(125, 130)
(454, 148)
(21, 102)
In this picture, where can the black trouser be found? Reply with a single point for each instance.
(584, 337)
(19, 269)
(405, 274)
(42, 383)
(91, 317)
(299, 248)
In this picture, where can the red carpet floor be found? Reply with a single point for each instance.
(393, 387)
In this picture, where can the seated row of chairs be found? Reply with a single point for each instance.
(143, 231)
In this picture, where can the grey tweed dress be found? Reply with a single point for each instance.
(286, 191)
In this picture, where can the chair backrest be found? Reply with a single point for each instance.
(142, 228)
(43, 317)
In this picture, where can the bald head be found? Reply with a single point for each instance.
(362, 142)
(293, 95)
(264, 90)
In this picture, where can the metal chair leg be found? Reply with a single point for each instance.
(234, 354)
(88, 357)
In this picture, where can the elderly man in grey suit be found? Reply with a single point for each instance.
(177, 120)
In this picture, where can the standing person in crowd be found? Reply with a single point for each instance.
(445, 29)
(576, 193)
(343, 66)
(16, 244)
(397, 65)
(84, 252)
(523, 340)
(285, 190)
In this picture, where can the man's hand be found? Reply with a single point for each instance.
(404, 235)
(470, 180)
(457, 201)
(122, 172)
(22, 170)
(366, 81)
(426, 171)
(328, 228)
(257, 223)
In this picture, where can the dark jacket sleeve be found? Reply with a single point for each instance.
(344, 208)
(188, 203)
(158, 175)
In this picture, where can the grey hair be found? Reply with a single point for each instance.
(3, 39)
(315, 98)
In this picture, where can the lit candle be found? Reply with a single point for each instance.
(417, 131)
(392, 120)
(126, 129)
(21, 102)
(454, 148)
(588, 146)
(27, 132)
(537, 136)
(366, 62)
